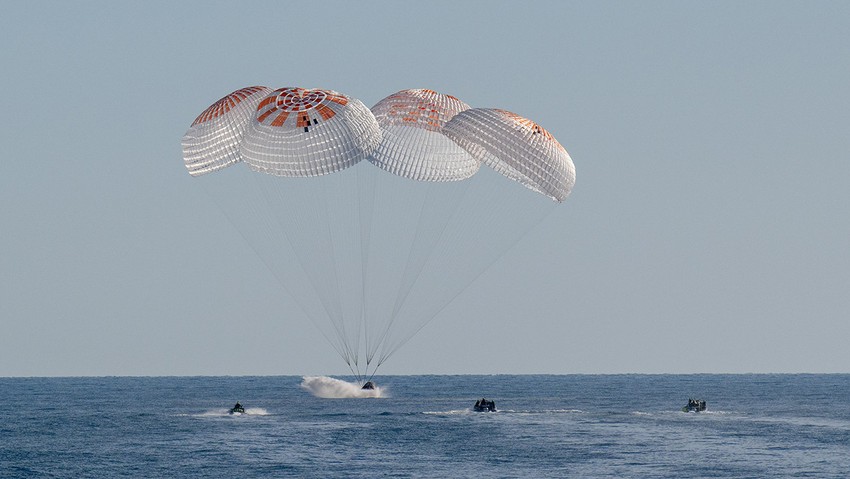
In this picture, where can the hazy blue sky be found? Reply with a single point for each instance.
(708, 230)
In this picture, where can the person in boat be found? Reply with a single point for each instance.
(237, 408)
(369, 385)
(694, 405)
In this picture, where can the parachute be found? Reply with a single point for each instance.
(517, 148)
(371, 251)
(301, 133)
(413, 145)
(213, 140)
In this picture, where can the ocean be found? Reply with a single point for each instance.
(584, 426)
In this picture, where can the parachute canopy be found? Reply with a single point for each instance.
(413, 144)
(214, 139)
(298, 133)
(515, 147)
(372, 251)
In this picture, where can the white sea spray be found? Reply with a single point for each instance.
(327, 387)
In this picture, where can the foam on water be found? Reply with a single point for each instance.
(451, 412)
(327, 387)
(256, 411)
(505, 411)
(542, 411)
(222, 412)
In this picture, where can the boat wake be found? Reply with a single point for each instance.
(327, 387)
(470, 411)
(449, 413)
(222, 412)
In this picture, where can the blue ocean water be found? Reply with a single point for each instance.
(547, 426)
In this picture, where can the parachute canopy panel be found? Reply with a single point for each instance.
(517, 148)
(413, 145)
(297, 132)
(212, 142)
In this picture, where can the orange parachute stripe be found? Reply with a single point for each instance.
(266, 101)
(338, 99)
(266, 114)
(280, 119)
(225, 104)
(325, 111)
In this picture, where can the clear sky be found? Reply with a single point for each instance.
(708, 230)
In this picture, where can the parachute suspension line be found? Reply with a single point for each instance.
(276, 201)
(252, 208)
(356, 270)
(498, 209)
(362, 240)
(377, 257)
(345, 231)
(356, 374)
(335, 265)
(391, 182)
(415, 201)
(404, 291)
(399, 292)
(370, 376)
(441, 231)
(335, 199)
(438, 210)
(447, 303)
(365, 213)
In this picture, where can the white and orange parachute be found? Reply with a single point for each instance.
(413, 144)
(374, 250)
(213, 140)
